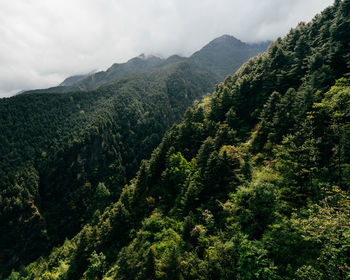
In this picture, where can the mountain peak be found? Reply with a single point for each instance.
(228, 52)
(222, 43)
(225, 38)
(145, 57)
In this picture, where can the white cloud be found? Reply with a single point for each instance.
(44, 41)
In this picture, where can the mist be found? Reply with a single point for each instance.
(44, 41)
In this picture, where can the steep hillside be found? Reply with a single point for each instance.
(253, 184)
(65, 155)
(57, 150)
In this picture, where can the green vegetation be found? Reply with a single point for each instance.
(252, 184)
(61, 146)
(66, 153)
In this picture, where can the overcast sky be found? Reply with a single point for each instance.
(44, 41)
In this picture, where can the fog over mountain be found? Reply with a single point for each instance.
(43, 42)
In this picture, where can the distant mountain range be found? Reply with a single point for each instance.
(220, 57)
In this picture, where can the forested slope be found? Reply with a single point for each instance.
(253, 184)
(65, 155)
(57, 147)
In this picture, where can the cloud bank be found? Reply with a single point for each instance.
(44, 41)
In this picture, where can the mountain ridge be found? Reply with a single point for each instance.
(75, 78)
(218, 66)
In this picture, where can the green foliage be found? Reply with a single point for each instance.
(252, 184)
(92, 129)
(53, 157)
(97, 266)
(101, 198)
(254, 207)
(327, 226)
(171, 266)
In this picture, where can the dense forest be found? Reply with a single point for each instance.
(252, 184)
(68, 151)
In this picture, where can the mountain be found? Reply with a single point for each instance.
(68, 151)
(226, 53)
(252, 184)
(137, 64)
(93, 80)
(218, 58)
(74, 79)
(71, 80)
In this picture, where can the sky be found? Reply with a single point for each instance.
(44, 41)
